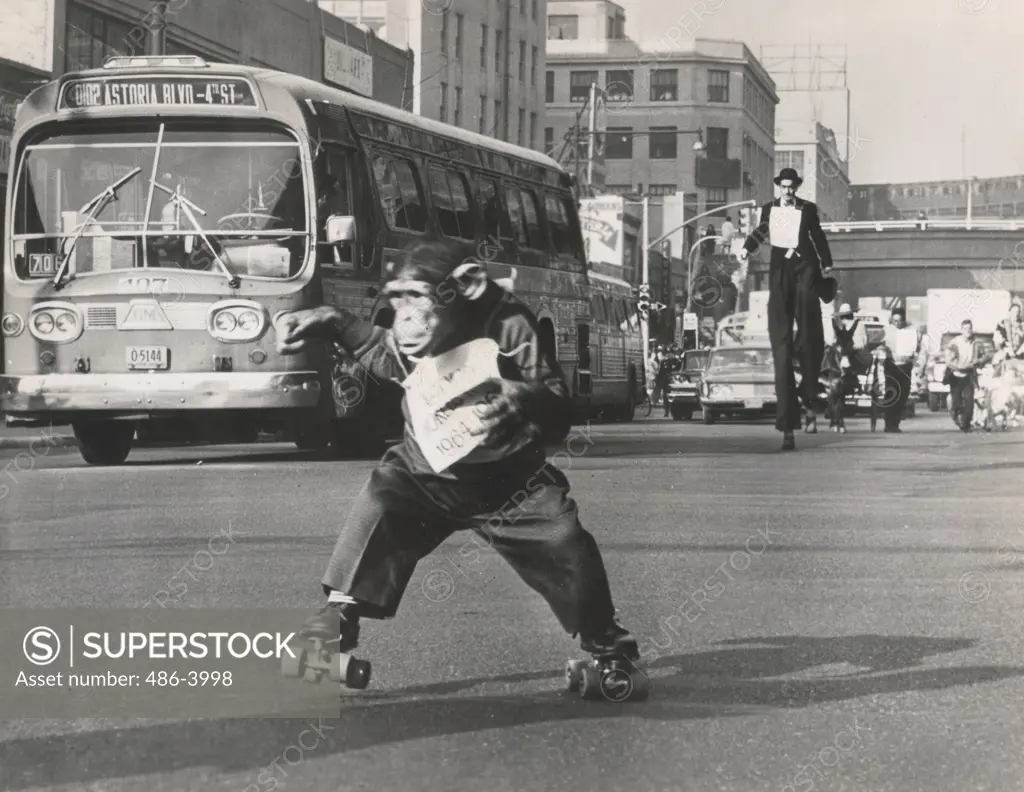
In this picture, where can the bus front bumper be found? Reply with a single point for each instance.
(56, 393)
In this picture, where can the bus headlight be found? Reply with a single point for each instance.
(13, 325)
(236, 321)
(57, 323)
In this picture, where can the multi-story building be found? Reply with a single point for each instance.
(811, 149)
(478, 63)
(657, 96)
(1001, 197)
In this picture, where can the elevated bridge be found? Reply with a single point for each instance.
(904, 259)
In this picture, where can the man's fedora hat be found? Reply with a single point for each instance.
(845, 310)
(789, 174)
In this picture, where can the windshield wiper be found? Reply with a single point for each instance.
(187, 207)
(94, 206)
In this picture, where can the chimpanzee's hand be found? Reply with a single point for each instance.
(507, 414)
(296, 328)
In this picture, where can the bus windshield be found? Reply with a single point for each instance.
(161, 195)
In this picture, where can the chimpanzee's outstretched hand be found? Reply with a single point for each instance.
(296, 328)
(509, 413)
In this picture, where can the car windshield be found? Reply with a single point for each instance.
(739, 357)
(695, 361)
(178, 195)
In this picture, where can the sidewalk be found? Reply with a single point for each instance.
(36, 436)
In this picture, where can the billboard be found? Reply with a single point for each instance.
(601, 219)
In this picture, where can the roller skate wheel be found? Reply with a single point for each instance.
(336, 667)
(294, 667)
(573, 672)
(590, 683)
(357, 674)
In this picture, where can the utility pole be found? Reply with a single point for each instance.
(591, 139)
(157, 29)
(645, 276)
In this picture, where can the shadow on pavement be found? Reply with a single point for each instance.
(737, 680)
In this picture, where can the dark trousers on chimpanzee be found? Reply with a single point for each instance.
(528, 518)
(961, 400)
(897, 392)
(793, 295)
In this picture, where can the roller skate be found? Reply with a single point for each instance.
(611, 672)
(330, 635)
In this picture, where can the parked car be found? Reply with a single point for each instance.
(738, 380)
(683, 385)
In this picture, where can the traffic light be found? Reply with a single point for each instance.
(643, 305)
(745, 228)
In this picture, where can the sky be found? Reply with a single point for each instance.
(922, 74)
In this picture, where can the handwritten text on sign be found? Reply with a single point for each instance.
(446, 396)
(158, 91)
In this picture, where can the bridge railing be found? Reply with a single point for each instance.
(980, 224)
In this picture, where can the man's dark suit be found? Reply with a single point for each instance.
(793, 285)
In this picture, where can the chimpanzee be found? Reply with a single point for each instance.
(407, 508)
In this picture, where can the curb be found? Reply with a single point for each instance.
(53, 441)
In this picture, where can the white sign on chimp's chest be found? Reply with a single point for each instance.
(446, 395)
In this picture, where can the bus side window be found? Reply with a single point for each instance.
(559, 224)
(451, 202)
(401, 197)
(517, 215)
(531, 214)
(493, 216)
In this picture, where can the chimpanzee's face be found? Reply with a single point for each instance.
(417, 315)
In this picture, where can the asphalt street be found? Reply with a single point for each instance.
(845, 617)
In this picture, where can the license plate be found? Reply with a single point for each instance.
(147, 357)
(753, 404)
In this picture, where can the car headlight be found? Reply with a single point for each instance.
(57, 323)
(13, 325)
(236, 321)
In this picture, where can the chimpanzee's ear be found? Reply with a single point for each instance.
(471, 278)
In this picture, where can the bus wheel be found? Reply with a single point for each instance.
(357, 439)
(104, 442)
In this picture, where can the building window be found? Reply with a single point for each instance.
(483, 113)
(618, 85)
(522, 8)
(497, 51)
(444, 35)
(549, 140)
(618, 143)
(444, 102)
(718, 85)
(563, 26)
(521, 127)
(663, 142)
(497, 116)
(662, 189)
(609, 31)
(717, 197)
(665, 85)
(458, 36)
(533, 10)
(533, 130)
(549, 86)
(483, 46)
(522, 61)
(618, 189)
(533, 66)
(579, 85)
(91, 38)
(457, 120)
(717, 143)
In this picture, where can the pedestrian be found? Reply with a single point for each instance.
(498, 485)
(800, 260)
(727, 233)
(665, 370)
(902, 341)
(966, 356)
(1009, 335)
(707, 247)
(845, 329)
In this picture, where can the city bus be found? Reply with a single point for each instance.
(164, 210)
(616, 348)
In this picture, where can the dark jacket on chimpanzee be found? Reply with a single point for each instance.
(497, 315)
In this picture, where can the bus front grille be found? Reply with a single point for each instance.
(101, 316)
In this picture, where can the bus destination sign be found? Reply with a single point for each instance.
(158, 92)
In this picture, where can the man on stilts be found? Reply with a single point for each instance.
(800, 260)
